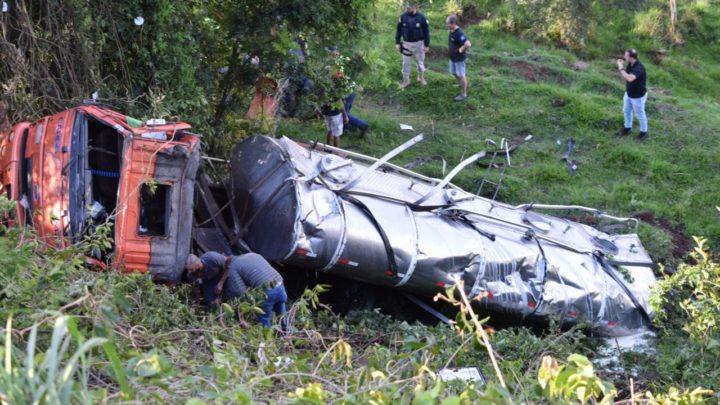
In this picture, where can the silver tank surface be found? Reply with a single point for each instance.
(362, 218)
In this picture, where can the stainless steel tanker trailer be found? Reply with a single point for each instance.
(366, 219)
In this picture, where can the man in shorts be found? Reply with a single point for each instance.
(458, 44)
(335, 118)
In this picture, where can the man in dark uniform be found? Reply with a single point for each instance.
(412, 37)
(458, 44)
(635, 92)
(227, 277)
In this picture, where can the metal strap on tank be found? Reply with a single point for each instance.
(389, 166)
(413, 207)
(386, 241)
(416, 250)
(450, 176)
(611, 272)
(522, 226)
(343, 236)
(597, 212)
(540, 299)
(405, 146)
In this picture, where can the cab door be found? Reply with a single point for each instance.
(11, 160)
(32, 199)
(154, 226)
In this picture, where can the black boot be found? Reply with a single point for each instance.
(624, 132)
(642, 136)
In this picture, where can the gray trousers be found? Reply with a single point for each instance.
(418, 54)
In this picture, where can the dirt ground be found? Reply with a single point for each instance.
(530, 71)
(682, 244)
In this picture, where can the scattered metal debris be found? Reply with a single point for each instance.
(572, 165)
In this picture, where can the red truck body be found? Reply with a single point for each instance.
(89, 165)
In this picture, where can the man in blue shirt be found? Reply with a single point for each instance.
(635, 92)
(228, 277)
(412, 38)
(458, 44)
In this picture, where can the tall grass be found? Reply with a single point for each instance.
(56, 375)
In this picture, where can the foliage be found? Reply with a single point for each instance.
(158, 345)
(695, 289)
(330, 82)
(567, 23)
(55, 376)
(193, 59)
(575, 381)
(677, 397)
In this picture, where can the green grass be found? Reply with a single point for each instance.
(513, 82)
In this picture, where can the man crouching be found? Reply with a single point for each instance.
(228, 277)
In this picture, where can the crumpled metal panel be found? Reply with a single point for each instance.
(524, 264)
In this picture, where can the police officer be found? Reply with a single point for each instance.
(412, 38)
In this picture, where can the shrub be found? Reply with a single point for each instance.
(691, 298)
(566, 23)
(57, 375)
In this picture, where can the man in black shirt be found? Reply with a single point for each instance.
(458, 44)
(412, 38)
(635, 92)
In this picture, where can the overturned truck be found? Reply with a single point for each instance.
(87, 166)
(362, 218)
(328, 210)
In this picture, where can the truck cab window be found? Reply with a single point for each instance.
(154, 209)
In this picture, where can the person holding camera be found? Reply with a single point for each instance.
(635, 92)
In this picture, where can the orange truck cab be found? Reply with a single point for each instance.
(87, 166)
(10, 152)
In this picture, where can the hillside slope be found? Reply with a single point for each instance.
(520, 88)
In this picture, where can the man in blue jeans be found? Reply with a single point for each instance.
(227, 277)
(635, 92)
(353, 120)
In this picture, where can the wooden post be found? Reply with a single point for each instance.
(673, 16)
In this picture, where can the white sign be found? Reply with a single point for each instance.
(467, 374)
